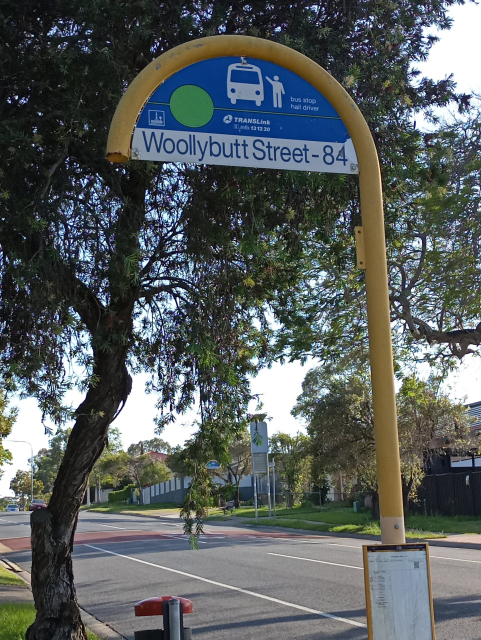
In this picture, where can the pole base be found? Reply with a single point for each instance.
(392, 530)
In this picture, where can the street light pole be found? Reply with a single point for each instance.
(31, 463)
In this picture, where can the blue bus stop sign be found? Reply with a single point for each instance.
(243, 112)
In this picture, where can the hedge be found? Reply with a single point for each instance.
(122, 495)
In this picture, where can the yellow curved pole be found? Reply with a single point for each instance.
(379, 326)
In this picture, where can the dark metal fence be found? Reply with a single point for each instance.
(451, 494)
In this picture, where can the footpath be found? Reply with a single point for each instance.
(17, 594)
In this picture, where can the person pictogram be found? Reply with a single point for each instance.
(277, 91)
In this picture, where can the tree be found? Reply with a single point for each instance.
(428, 422)
(142, 469)
(176, 461)
(433, 242)
(338, 415)
(47, 461)
(168, 269)
(293, 461)
(21, 485)
(337, 410)
(7, 420)
(98, 477)
(238, 462)
(436, 274)
(144, 446)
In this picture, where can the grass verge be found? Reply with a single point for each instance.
(16, 618)
(453, 524)
(9, 578)
(121, 507)
(370, 528)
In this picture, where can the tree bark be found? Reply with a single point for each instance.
(406, 489)
(375, 505)
(53, 529)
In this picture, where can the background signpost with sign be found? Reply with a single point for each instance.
(247, 102)
(260, 459)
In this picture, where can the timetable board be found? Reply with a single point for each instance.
(399, 599)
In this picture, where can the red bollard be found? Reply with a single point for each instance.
(165, 606)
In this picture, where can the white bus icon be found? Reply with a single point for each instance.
(244, 82)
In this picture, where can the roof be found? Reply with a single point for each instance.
(156, 455)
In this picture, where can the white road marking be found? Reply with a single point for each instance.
(232, 588)
(301, 541)
(335, 564)
(430, 555)
(111, 526)
(351, 546)
(455, 559)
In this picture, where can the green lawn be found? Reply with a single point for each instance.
(8, 577)
(16, 618)
(334, 517)
(370, 528)
(446, 524)
(337, 517)
(122, 507)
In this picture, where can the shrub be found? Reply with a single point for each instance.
(122, 495)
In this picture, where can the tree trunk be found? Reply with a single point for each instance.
(406, 489)
(53, 529)
(141, 494)
(375, 505)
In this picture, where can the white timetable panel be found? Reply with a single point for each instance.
(398, 592)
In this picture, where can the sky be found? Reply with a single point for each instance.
(457, 53)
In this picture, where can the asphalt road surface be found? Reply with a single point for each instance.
(244, 582)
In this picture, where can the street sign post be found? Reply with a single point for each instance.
(272, 465)
(260, 458)
(244, 101)
(174, 111)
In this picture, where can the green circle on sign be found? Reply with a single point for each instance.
(191, 106)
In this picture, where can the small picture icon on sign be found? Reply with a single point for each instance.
(228, 119)
(157, 118)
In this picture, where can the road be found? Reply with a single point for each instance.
(245, 583)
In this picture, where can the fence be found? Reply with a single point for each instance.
(451, 494)
(175, 490)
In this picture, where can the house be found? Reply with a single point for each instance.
(156, 456)
(450, 462)
(474, 411)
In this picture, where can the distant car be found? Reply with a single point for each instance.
(12, 507)
(37, 504)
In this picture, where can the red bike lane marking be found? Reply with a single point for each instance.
(23, 544)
